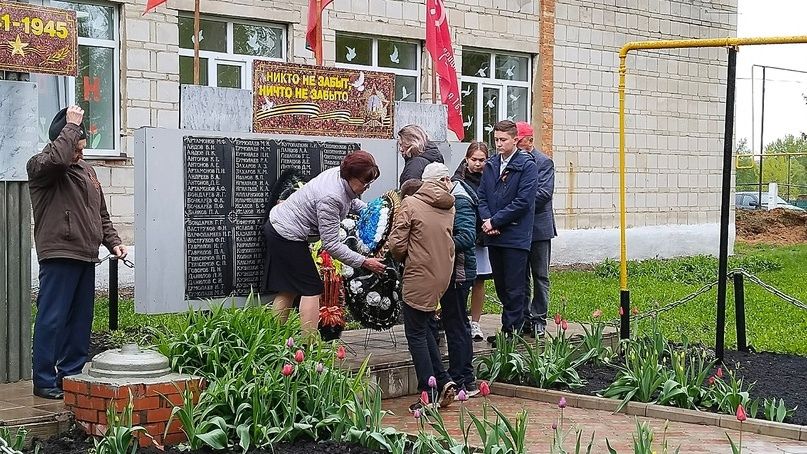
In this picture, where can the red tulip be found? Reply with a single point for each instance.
(564, 324)
(288, 369)
(719, 372)
(596, 314)
(557, 319)
(340, 352)
(741, 416)
(711, 380)
(484, 389)
(424, 397)
(299, 356)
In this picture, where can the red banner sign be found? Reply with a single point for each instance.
(438, 43)
(314, 100)
(37, 39)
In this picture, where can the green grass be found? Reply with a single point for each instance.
(772, 324)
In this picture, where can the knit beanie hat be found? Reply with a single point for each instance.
(59, 122)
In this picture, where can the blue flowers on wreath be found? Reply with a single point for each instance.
(374, 221)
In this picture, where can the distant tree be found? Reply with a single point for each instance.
(775, 168)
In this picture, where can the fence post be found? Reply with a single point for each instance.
(739, 312)
(113, 293)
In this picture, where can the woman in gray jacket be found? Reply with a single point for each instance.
(315, 211)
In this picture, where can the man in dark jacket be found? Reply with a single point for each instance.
(543, 230)
(506, 205)
(70, 222)
(417, 152)
(454, 301)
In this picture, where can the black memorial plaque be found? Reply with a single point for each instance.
(227, 186)
(208, 176)
(333, 153)
(302, 155)
(209, 255)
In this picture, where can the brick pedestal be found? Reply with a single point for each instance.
(153, 400)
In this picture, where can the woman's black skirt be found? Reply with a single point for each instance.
(289, 266)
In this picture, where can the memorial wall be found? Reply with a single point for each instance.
(200, 204)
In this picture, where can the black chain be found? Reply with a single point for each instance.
(125, 261)
(771, 289)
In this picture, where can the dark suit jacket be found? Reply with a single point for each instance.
(543, 227)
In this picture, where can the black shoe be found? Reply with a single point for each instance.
(540, 330)
(49, 393)
(527, 330)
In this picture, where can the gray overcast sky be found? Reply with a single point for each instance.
(785, 108)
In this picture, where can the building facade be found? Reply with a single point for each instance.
(551, 62)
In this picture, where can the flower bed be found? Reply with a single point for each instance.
(650, 369)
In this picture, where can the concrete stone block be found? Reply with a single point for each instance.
(139, 59)
(138, 30)
(377, 8)
(168, 62)
(138, 89)
(167, 34)
(122, 205)
(167, 118)
(167, 91)
(137, 117)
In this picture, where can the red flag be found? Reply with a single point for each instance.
(314, 29)
(438, 43)
(151, 4)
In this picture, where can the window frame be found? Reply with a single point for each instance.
(374, 66)
(230, 57)
(502, 84)
(67, 84)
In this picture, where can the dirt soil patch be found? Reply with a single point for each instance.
(76, 441)
(774, 375)
(777, 227)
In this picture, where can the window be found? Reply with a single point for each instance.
(96, 89)
(392, 56)
(495, 86)
(227, 49)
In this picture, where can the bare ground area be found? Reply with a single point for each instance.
(778, 227)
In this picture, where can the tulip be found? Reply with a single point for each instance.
(564, 324)
(288, 369)
(424, 398)
(461, 396)
(320, 368)
(562, 403)
(621, 311)
(290, 342)
(432, 382)
(299, 356)
(340, 352)
(741, 416)
(719, 372)
(711, 380)
(416, 414)
(557, 319)
(596, 314)
(484, 389)
(635, 311)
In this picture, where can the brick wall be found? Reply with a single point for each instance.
(675, 104)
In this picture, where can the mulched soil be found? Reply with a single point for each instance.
(774, 375)
(76, 442)
(776, 227)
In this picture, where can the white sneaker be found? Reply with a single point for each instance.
(476, 332)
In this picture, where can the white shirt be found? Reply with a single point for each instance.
(505, 162)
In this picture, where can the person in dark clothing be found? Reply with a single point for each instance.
(417, 152)
(543, 230)
(454, 301)
(470, 172)
(71, 221)
(506, 204)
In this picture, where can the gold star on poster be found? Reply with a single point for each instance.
(17, 46)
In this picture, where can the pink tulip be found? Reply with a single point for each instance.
(461, 396)
(621, 311)
(299, 356)
(432, 382)
(596, 314)
(562, 403)
(558, 318)
(554, 425)
(719, 372)
(741, 416)
(416, 414)
(320, 368)
(340, 352)
(288, 369)
(484, 389)
(711, 380)
(564, 324)
(424, 398)
(290, 342)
